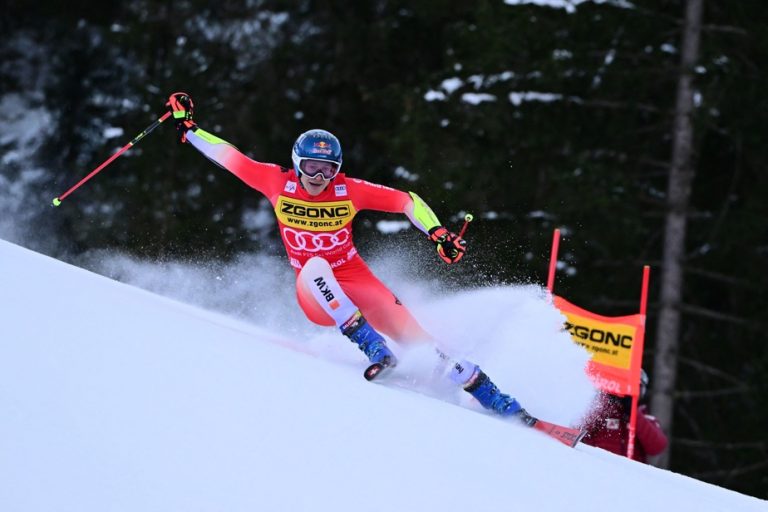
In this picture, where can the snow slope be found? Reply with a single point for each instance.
(113, 398)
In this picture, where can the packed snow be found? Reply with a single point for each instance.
(117, 398)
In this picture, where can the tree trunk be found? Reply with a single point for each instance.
(678, 197)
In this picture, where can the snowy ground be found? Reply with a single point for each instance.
(113, 398)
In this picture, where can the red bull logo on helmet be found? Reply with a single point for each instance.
(321, 147)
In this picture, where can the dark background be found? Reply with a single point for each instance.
(575, 132)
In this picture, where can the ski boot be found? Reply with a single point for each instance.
(373, 345)
(485, 391)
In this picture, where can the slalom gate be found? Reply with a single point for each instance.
(616, 343)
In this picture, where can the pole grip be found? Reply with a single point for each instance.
(467, 219)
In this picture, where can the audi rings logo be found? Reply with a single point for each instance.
(314, 242)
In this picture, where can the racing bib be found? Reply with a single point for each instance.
(314, 216)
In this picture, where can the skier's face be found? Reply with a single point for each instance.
(317, 174)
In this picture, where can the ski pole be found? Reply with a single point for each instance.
(467, 219)
(57, 200)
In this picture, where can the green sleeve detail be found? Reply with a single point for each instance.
(209, 137)
(423, 214)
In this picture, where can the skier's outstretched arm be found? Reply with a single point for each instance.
(450, 246)
(370, 196)
(215, 149)
(420, 214)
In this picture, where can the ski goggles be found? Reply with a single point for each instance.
(311, 168)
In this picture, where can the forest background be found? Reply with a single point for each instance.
(634, 127)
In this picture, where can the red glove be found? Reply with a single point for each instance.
(182, 108)
(450, 246)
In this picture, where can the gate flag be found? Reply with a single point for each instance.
(616, 343)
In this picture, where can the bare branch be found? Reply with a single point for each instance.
(713, 392)
(727, 29)
(711, 370)
(723, 317)
(698, 443)
(613, 104)
(730, 473)
(723, 278)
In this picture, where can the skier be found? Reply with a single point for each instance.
(315, 204)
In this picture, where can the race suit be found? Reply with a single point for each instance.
(321, 225)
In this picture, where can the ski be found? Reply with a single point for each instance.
(566, 435)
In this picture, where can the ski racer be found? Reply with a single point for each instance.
(315, 204)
